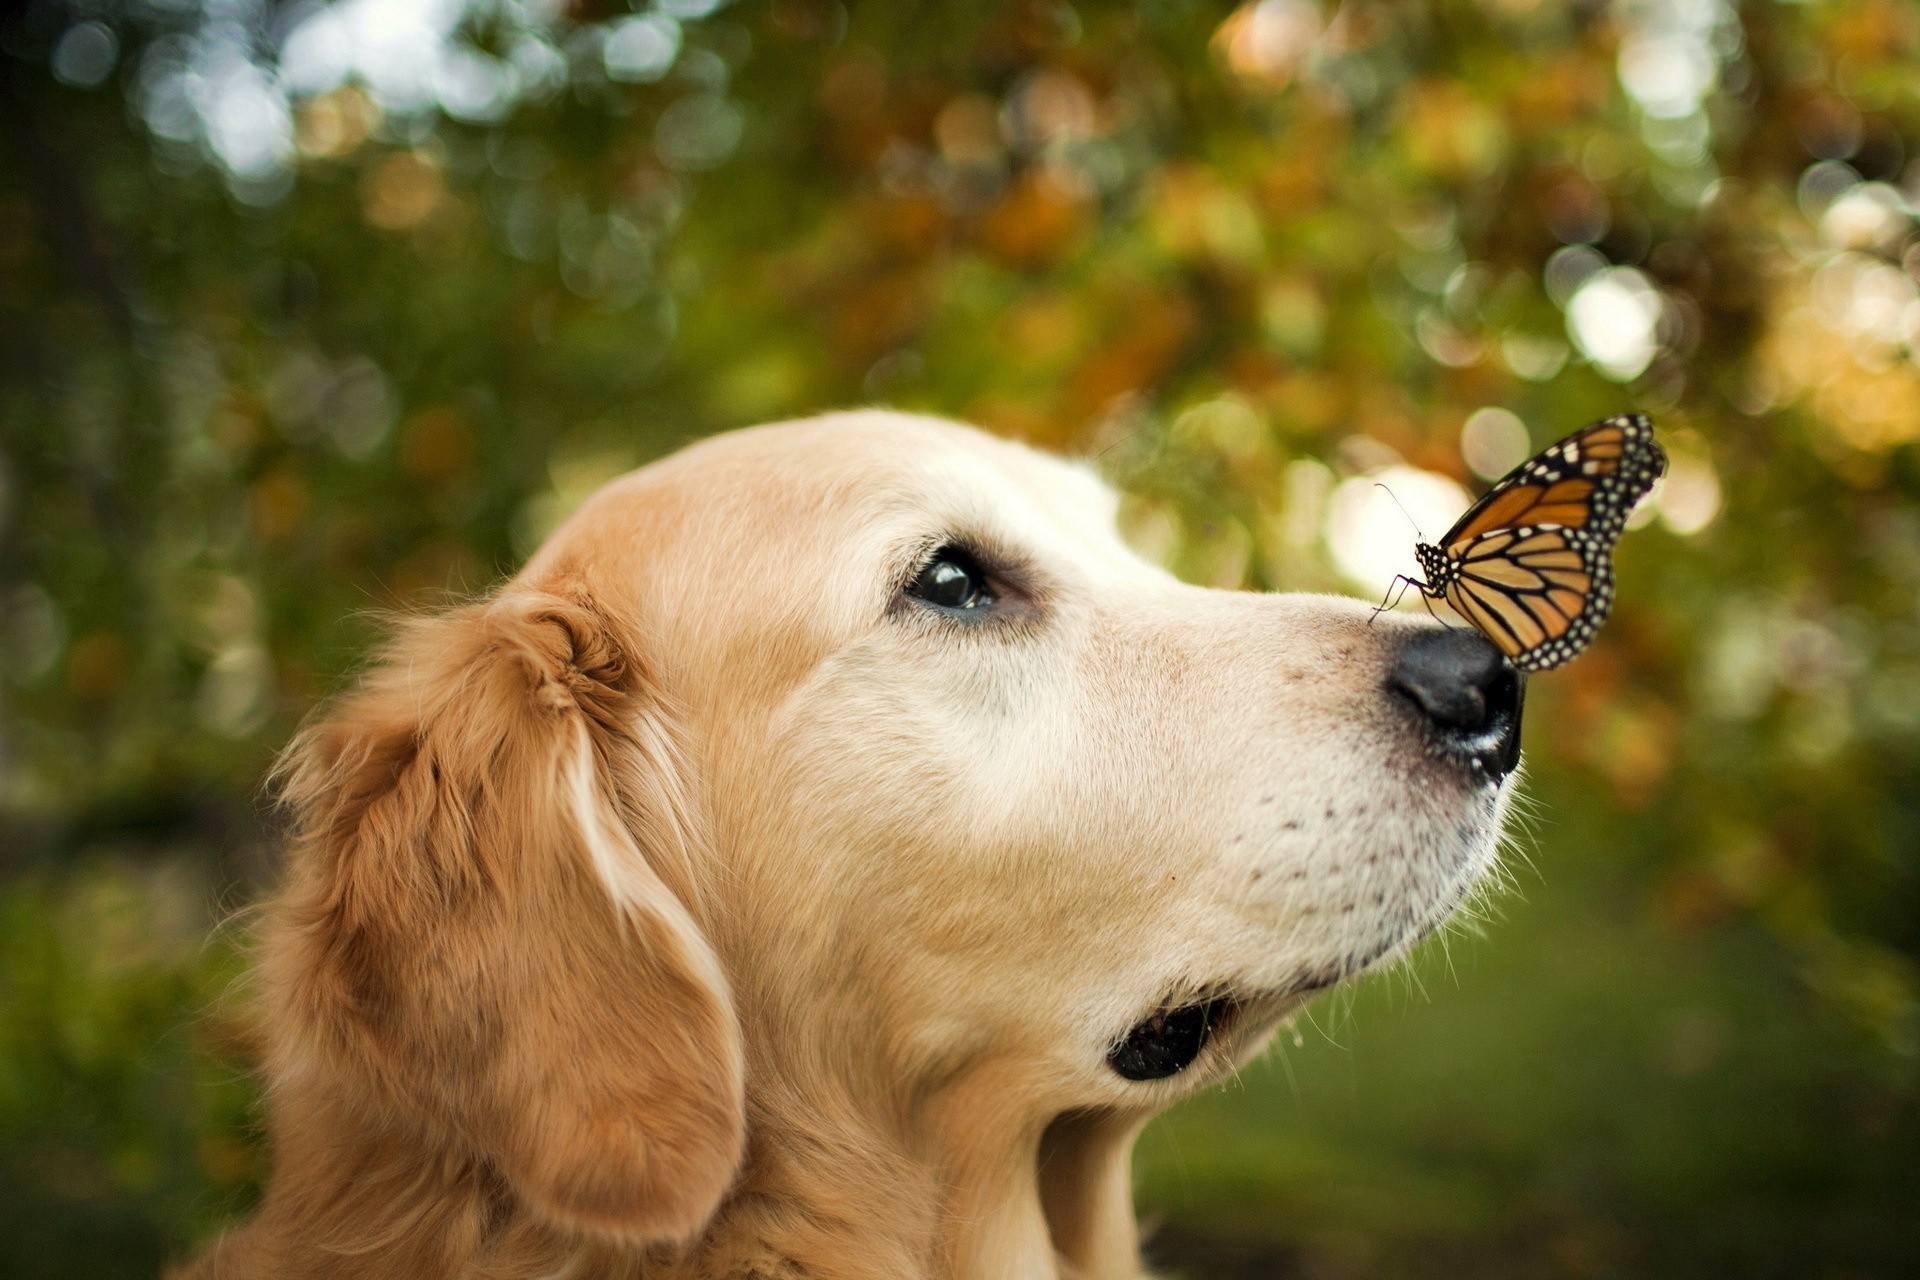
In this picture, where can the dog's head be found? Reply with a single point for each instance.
(854, 777)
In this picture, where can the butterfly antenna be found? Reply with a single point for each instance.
(1403, 510)
(1126, 437)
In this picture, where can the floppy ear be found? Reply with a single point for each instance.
(486, 936)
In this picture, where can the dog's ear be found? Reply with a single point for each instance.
(485, 940)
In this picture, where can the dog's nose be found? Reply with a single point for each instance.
(1467, 691)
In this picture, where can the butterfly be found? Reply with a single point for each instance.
(1531, 564)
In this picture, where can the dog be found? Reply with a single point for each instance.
(818, 863)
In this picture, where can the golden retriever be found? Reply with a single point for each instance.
(820, 861)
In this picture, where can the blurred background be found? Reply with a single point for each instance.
(314, 311)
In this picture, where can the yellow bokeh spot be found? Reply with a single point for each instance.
(402, 191)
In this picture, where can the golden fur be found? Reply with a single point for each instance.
(697, 906)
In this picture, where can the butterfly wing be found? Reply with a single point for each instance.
(1538, 593)
(1591, 479)
(1531, 563)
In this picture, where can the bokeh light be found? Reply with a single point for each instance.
(1493, 441)
(1614, 319)
(1374, 520)
(1689, 497)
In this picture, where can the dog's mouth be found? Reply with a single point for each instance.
(1172, 1038)
(1167, 1042)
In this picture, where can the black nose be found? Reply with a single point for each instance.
(1468, 693)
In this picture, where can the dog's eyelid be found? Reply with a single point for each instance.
(1014, 590)
(994, 569)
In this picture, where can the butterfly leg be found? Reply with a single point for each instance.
(1400, 582)
(1427, 598)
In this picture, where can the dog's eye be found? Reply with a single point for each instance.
(951, 580)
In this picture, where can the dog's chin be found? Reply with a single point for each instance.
(1239, 1019)
(1392, 926)
(1400, 927)
(1382, 907)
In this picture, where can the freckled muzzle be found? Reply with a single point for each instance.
(1469, 695)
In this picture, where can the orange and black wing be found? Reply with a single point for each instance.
(1531, 563)
(1590, 480)
(1538, 593)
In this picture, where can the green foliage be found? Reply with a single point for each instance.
(123, 1133)
(282, 348)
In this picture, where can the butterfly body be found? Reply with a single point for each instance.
(1531, 563)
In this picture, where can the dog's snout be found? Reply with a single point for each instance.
(1467, 691)
(1450, 675)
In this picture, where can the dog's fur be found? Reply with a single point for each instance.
(700, 905)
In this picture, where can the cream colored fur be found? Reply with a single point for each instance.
(700, 906)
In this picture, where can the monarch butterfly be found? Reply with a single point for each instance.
(1531, 564)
